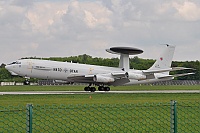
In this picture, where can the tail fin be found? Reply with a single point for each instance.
(165, 59)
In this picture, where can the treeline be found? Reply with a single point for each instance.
(136, 63)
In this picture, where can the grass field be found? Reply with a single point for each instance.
(94, 98)
(99, 112)
(80, 88)
(115, 117)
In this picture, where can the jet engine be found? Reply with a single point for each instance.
(61, 81)
(136, 76)
(103, 78)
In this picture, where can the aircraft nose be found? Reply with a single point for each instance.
(10, 69)
(7, 67)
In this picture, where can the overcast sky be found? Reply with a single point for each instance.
(49, 28)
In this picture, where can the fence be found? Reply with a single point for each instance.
(178, 82)
(155, 117)
(52, 82)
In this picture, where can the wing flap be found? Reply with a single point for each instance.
(120, 81)
(80, 78)
(90, 78)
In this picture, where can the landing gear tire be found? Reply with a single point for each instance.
(26, 82)
(87, 88)
(101, 88)
(92, 89)
(106, 88)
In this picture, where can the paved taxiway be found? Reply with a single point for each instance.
(84, 92)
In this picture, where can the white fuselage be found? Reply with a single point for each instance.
(45, 69)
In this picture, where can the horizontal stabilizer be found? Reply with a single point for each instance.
(166, 70)
(184, 74)
(181, 68)
(176, 75)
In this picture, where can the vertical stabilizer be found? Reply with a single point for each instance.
(165, 59)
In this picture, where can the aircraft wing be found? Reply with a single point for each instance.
(165, 70)
(80, 78)
(106, 78)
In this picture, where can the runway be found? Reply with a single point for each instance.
(97, 92)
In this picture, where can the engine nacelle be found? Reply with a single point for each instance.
(103, 79)
(61, 81)
(136, 76)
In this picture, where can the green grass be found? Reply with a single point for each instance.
(96, 98)
(97, 112)
(80, 88)
(112, 117)
(6, 100)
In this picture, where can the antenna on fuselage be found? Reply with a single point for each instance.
(124, 53)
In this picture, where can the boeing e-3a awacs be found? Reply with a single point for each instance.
(99, 75)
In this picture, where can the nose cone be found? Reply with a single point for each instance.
(10, 69)
(7, 67)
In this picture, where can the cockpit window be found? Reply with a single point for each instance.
(15, 62)
(12, 63)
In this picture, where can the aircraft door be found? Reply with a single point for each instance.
(30, 66)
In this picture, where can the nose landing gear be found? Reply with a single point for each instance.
(26, 82)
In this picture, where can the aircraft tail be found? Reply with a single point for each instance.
(165, 59)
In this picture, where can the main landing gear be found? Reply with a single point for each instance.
(100, 88)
